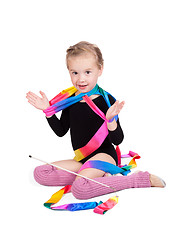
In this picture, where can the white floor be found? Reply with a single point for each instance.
(138, 41)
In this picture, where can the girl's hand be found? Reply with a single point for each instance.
(114, 110)
(38, 102)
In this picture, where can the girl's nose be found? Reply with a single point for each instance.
(81, 78)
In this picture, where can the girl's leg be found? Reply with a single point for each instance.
(85, 189)
(51, 176)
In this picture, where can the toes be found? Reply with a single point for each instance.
(157, 181)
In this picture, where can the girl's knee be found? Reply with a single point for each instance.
(51, 176)
(42, 174)
(81, 189)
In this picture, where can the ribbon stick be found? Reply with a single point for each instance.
(77, 174)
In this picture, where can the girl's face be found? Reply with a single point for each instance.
(84, 72)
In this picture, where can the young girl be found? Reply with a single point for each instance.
(85, 65)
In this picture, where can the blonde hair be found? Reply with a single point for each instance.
(85, 47)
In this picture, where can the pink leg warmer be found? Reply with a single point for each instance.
(50, 176)
(85, 189)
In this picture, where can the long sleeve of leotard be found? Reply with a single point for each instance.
(60, 126)
(117, 135)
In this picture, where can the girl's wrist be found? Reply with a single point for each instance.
(112, 125)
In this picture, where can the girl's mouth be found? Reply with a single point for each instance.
(82, 86)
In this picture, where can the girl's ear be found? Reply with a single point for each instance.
(101, 71)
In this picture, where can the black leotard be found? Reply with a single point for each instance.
(83, 124)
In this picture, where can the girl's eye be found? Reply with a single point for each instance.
(74, 73)
(88, 72)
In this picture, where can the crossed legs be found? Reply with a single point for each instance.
(83, 188)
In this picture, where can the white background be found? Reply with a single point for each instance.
(138, 41)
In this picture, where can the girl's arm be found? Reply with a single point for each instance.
(60, 126)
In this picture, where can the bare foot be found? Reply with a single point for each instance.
(156, 181)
